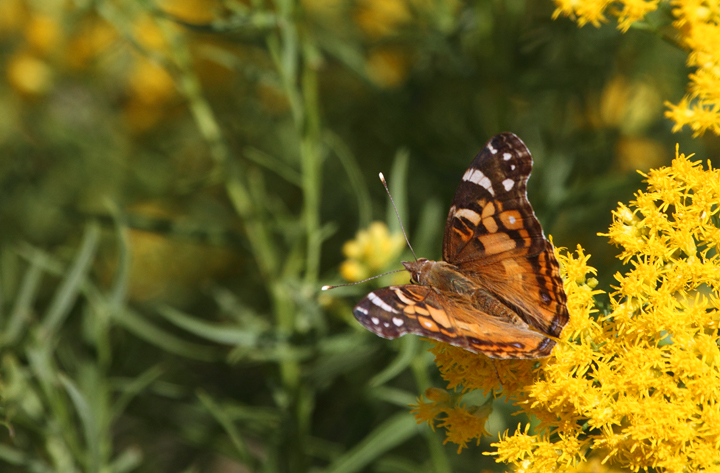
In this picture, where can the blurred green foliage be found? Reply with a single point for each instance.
(177, 179)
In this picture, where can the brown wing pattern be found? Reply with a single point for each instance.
(501, 294)
(530, 285)
(492, 234)
(397, 310)
(491, 218)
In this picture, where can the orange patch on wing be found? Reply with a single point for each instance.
(463, 236)
(409, 309)
(488, 210)
(513, 268)
(421, 311)
(448, 333)
(439, 316)
(511, 219)
(428, 324)
(490, 225)
(495, 243)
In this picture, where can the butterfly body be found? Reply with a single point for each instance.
(498, 289)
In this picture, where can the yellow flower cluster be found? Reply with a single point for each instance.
(697, 23)
(371, 252)
(639, 386)
(593, 11)
(50, 39)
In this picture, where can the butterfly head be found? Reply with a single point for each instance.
(419, 269)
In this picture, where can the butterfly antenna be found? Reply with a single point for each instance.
(325, 288)
(382, 178)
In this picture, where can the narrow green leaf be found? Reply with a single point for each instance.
(397, 183)
(118, 291)
(20, 315)
(154, 335)
(222, 418)
(128, 460)
(70, 286)
(388, 435)
(218, 333)
(398, 397)
(133, 387)
(273, 164)
(408, 349)
(438, 457)
(88, 421)
(355, 177)
(12, 455)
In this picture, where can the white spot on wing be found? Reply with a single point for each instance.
(508, 184)
(477, 177)
(375, 320)
(512, 167)
(398, 321)
(511, 219)
(507, 156)
(361, 309)
(428, 324)
(492, 150)
(468, 215)
(381, 303)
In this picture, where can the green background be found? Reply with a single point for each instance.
(164, 235)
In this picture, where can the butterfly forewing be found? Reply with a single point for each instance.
(398, 310)
(490, 217)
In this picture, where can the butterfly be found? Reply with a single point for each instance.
(498, 289)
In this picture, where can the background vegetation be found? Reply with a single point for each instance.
(177, 179)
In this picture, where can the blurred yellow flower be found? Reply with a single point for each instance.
(194, 11)
(29, 75)
(148, 34)
(93, 38)
(13, 14)
(371, 252)
(630, 106)
(639, 153)
(379, 18)
(697, 23)
(150, 83)
(638, 386)
(43, 33)
(387, 67)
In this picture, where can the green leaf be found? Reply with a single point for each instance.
(397, 183)
(154, 335)
(219, 333)
(70, 286)
(388, 435)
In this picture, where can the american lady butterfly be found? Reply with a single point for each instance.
(498, 289)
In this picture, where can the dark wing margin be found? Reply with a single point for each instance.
(491, 217)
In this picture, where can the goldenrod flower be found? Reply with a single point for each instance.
(698, 26)
(639, 386)
(371, 252)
